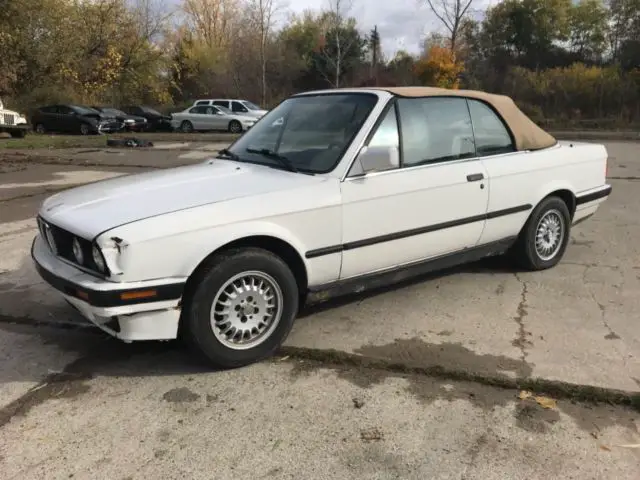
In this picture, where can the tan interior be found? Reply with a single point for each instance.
(527, 135)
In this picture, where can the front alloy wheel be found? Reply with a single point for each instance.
(240, 308)
(246, 310)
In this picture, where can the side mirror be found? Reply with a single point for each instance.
(375, 159)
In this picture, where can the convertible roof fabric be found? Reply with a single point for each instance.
(527, 135)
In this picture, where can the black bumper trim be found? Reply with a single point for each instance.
(590, 197)
(111, 298)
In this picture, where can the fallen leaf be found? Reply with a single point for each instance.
(283, 358)
(594, 435)
(524, 395)
(605, 448)
(633, 445)
(546, 402)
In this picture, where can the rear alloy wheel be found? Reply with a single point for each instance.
(186, 126)
(40, 129)
(545, 236)
(235, 127)
(242, 308)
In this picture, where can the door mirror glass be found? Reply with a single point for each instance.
(376, 159)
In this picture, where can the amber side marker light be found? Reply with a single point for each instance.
(83, 295)
(139, 294)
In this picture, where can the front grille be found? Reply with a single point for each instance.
(63, 244)
(8, 119)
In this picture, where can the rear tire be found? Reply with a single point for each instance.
(241, 309)
(40, 129)
(544, 238)
(84, 129)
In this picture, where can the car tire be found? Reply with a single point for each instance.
(186, 127)
(235, 127)
(544, 238)
(18, 133)
(84, 129)
(233, 331)
(40, 129)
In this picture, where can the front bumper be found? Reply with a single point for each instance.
(148, 310)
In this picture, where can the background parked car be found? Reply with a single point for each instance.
(73, 119)
(155, 120)
(12, 122)
(210, 118)
(239, 107)
(132, 123)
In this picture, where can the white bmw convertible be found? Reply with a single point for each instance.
(331, 191)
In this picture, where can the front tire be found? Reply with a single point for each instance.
(18, 133)
(84, 129)
(186, 127)
(544, 238)
(40, 129)
(235, 127)
(242, 307)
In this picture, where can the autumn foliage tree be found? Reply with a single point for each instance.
(439, 67)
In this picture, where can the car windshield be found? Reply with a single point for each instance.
(150, 110)
(310, 131)
(251, 106)
(114, 111)
(82, 110)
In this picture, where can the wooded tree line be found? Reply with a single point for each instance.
(561, 61)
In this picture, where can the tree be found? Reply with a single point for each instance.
(439, 68)
(452, 14)
(587, 29)
(339, 41)
(262, 14)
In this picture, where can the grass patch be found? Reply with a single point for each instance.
(35, 141)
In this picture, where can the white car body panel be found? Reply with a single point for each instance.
(156, 228)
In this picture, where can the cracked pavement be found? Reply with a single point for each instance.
(419, 380)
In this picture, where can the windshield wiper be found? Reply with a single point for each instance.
(276, 156)
(229, 154)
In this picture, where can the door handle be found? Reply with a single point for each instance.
(474, 177)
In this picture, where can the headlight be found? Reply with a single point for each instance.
(98, 259)
(129, 120)
(77, 251)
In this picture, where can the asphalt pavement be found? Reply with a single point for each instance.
(480, 372)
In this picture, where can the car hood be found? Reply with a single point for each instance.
(92, 209)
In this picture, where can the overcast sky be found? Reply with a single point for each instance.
(402, 24)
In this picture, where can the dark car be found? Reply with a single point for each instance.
(73, 119)
(155, 120)
(132, 123)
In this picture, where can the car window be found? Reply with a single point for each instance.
(435, 130)
(387, 133)
(197, 110)
(64, 110)
(202, 102)
(211, 110)
(221, 103)
(491, 134)
(237, 107)
(250, 106)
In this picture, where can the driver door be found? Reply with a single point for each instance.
(432, 203)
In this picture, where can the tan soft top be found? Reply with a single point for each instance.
(527, 135)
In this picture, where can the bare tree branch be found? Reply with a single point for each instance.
(451, 13)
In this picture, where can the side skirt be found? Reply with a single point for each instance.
(394, 275)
